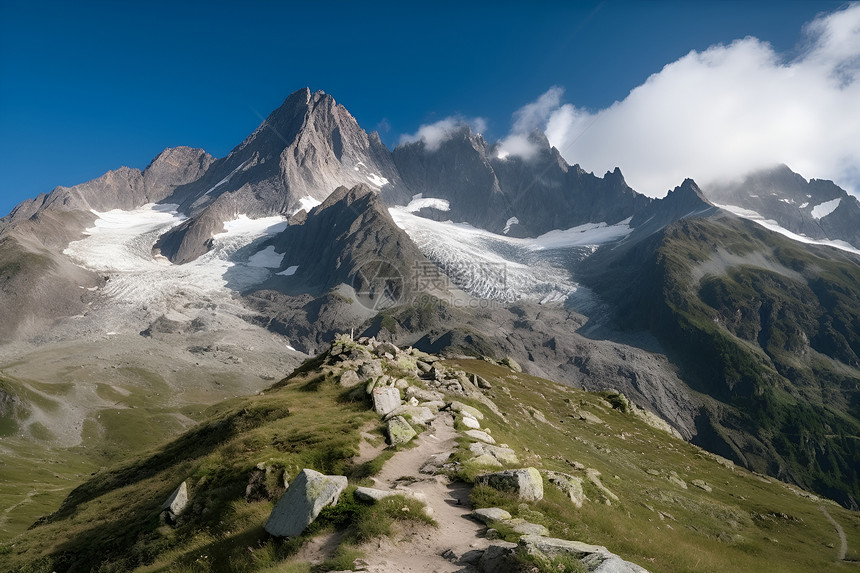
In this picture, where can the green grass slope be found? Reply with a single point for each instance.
(655, 515)
(766, 327)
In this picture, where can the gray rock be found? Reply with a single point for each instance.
(480, 435)
(526, 482)
(470, 422)
(401, 384)
(676, 479)
(370, 369)
(302, 502)
(463, 408)
(488, 515)
(178, 500)
(481, 382)
(505, 455)
(499, 557)
(569, 484)
(595, 558)
(485, 460)
(434, 405)
(386, 348)
(423, 395)
(416, 413)
(524, 527)
(702, 484)
(385, 399)
(399, 431)
(371, 494)
(349, 379)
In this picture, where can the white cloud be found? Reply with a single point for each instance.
(726, 111)
(527, 119)
(435, 134)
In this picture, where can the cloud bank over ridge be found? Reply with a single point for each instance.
(721, 113)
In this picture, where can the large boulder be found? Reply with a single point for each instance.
(480, 435)
(487, 515)
(526, 482)
(500, 557)
(370, 370)
(399, 431)
(302, 502)
(385, 399)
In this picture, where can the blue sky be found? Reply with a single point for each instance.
(89, 86)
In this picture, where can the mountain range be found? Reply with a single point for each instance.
(731, 312)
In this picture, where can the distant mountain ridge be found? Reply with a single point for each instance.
(672, 273)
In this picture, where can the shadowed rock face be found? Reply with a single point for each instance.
(302, 502)
(542, 192)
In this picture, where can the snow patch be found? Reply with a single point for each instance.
(289, 271)
(267, 258)
(377, 180)
(510, 223)
(822, 210)
(225, 180)
(804, 205)
(774, 226)
(419, 202)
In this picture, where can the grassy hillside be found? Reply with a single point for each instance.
(654, 516)
(767, 327)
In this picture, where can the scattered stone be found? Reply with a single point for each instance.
(424, 395)
(594, 477)
(481, 382)
(485, 460)
(399, 431)
(701, 484)
(401, 384)
(676, 479)
(569, 484)
(488, 515)
(524, 527)
(463, 408)
(177, 501)
(512, 364)
(434, 405)
(503, 454)
(370, 369)
(424, 367)
(385, 399)
(349, 378)
(499, 557)
(433, 464)
(492, 533)
(526, 482)
(480, 435)
(386, 348)
(373, 495)
(653, 472)
(416, 413)
(470, 422)
(301, 503)
(587, 416)
(537, 414)
(595, 558)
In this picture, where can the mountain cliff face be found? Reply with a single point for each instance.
(305, 149)
(510, 194)
(764, 331)
(817, 208)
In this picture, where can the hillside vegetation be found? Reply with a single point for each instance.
(649, 497)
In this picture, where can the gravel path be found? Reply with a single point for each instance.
(843, 541)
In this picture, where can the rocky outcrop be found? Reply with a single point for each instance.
(595, 558)
(175, 503)
(302, 502)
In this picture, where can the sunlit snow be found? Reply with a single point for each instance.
(120, 244)
(774, 226)
(418, 202)
(498, 267)
(822, 210)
